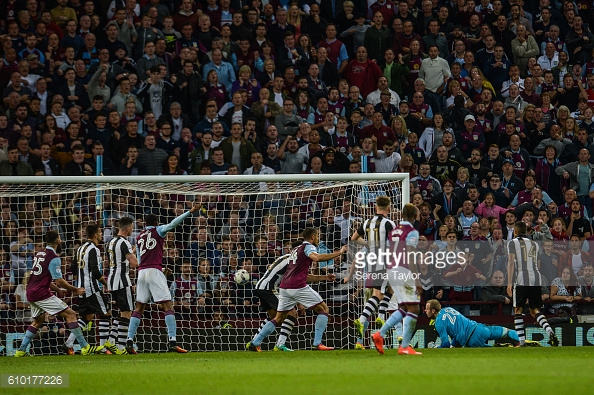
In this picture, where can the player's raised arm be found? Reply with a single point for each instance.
(164, 229)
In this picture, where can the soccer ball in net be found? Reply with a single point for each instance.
(242, 277)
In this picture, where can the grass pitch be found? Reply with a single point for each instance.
(443, 371)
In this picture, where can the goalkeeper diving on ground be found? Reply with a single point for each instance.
(463, 332)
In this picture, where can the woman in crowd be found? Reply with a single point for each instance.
(171, 167)
(565, 291)
(216, 90)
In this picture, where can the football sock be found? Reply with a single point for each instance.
(409, 324)
(122, 332)
(113, 335)
(103, 327)
(77, 332)
(262, 325)
(383, 306)
(29, 334)
(267, 330)
(170, 323)
(81, 324)
(286, 329)
(321, 324)
(133, 326)
(370, 308)
(544, 324)
(519, 324)
(365, 326)
(394, 319)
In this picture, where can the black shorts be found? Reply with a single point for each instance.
(268, 299)
(94, 304)
(123, 299)
(521, 293)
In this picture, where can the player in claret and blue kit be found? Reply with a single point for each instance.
(407, 288)
(293, 289)
(462, 331)
(152, 282)
(47, 270)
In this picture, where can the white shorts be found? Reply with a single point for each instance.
(403, 285)
(288, 298)
(52, 305)
(152, 283)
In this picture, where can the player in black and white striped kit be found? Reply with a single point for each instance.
(374, 233)
(269, 301)
(87, 266)
(524, 281)
(121, 260)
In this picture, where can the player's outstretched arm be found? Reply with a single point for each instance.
(164, 229)
(314, 256)
(315, 278)
(60, 282)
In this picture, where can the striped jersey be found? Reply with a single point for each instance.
(525, 261)
(273, 276)
(119, 267)
(88, 268)
(377, 231)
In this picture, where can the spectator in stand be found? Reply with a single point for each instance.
(150, 158)
(79, 166)
(224, 70)
(565, 291)
(184, 290)
(575, 258)
(463, 277)
(362, 72)
(13, 166)
(577, 182)
(496, 291)
(293, 161)
(587, 289)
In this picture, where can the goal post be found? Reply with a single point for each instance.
(212, 311)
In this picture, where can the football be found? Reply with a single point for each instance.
(242, 277)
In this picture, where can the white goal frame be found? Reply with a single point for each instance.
(25, 186)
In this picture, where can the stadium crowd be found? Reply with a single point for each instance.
(488, 106)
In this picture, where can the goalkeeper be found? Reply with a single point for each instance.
(450, 324)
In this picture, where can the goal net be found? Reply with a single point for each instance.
(244, 222)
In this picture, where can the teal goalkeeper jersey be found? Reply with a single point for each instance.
(451, 324)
